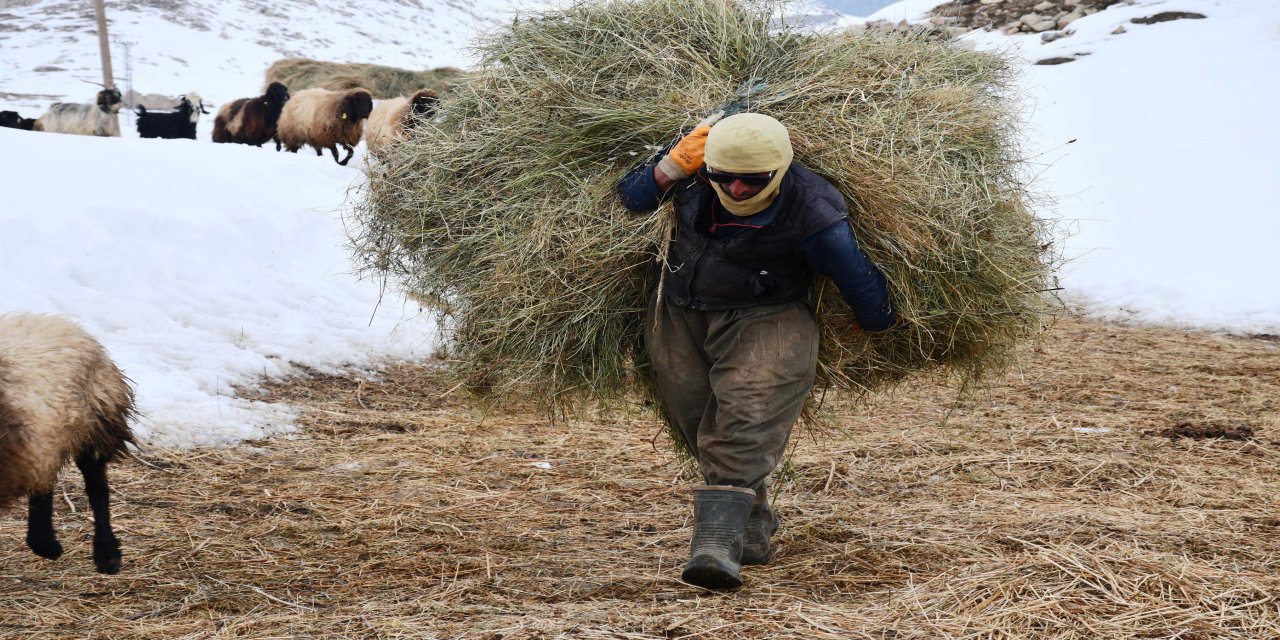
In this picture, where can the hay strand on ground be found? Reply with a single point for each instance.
(503, 216)
(398, 512)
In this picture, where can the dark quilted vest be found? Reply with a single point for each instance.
(754, 267)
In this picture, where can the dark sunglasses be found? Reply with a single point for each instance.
(749, 179)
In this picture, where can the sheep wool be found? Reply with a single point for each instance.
(60, 396)
(382, 128)
(391, 119)
(251, 121)
(325, 119)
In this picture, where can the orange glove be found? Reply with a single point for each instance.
(685, 158)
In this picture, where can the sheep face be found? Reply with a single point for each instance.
(109, 100)
(424, 102)
(357, 105)
(277, 93)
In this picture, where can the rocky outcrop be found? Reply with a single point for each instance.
(1018, 16)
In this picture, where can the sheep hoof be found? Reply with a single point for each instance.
(45, 547)
(106, 556)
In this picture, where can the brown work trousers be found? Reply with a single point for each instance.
(733, 383)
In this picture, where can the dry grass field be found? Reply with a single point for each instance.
(1079, 498)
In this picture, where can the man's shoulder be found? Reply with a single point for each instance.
(815, 193)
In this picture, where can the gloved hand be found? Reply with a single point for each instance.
(685, 158)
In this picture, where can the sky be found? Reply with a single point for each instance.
(206, 268)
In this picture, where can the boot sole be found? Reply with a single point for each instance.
(711, 576)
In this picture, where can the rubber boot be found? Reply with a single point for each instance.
(756, 548)
(720, 515)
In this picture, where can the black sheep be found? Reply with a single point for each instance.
(251, 120)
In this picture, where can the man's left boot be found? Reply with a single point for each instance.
(756, 548)
(720, 515)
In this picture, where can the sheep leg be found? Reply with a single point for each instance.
(343, 161)
(106, 548)
(40, 536)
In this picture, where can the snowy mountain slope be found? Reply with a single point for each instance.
(1159, 142)
(201, 267)
(221, 49)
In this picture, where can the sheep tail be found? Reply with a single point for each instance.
(15, 453)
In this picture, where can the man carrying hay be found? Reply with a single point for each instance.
(731, 334)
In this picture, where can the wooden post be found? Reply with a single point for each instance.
(104, 48)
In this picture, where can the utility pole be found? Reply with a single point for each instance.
(104, 48)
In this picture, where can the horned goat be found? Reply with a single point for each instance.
(179, 123)
(325, 119)
(61, 398)
(252, 120)
(391, 120)
(84, 119)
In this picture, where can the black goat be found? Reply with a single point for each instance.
(12, 120)
(180, 123)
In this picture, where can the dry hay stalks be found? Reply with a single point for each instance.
(397, 512)
(502, 213)
(381, 81)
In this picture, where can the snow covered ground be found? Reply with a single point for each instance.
(221, 49)
(202, 267)
(199, 266)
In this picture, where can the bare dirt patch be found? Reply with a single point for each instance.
(1037, 510)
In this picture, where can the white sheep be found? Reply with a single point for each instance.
(392, 119)
(61, 397)
(84, 119)
(325, 119)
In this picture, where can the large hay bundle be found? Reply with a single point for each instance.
(383, 82)
(503, 213)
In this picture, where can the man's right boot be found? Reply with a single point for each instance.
(720, 515)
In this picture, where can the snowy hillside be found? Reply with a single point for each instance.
(201, 267)
(221, 49)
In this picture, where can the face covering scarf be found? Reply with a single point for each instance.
(749, 143)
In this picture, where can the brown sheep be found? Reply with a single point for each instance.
(251, 120)
(392, 119)
(325, 119)
(61, 397)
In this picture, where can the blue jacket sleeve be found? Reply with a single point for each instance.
(834, 253)
(639, 189)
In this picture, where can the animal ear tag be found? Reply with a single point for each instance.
(344, 116)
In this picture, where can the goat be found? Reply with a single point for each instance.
(391, 120)
(252, 120)
(325, 119)
(12, 120)
(61, 397)
(84, 119)
(180, 123)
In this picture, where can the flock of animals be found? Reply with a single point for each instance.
(61, 396)
(319, 118)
